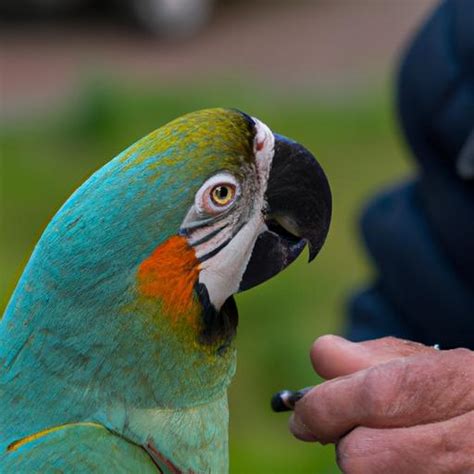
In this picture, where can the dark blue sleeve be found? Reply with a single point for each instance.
(421, 235)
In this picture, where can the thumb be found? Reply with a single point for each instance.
(334, 356)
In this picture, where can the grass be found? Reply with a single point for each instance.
(355, 140)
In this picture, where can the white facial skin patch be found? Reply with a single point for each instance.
(223, 273)
(226, 244)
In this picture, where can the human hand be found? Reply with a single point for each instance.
(391, 406)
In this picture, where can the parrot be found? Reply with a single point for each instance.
(117, 345)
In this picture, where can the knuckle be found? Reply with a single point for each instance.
(462, 353)
(390, 340)
(364, 451)
(375, 393)
(402, 347)
(351, 453)
(347, 462)
(384, 388)
(457, 363)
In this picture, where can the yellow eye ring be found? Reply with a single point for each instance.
(222, 194)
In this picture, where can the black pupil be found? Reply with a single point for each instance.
(222, 192)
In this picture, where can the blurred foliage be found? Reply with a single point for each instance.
(354, 138)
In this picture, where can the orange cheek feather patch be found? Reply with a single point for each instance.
(170, 274)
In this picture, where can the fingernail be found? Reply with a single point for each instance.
(300, 430)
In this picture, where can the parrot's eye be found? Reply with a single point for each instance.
(222, 194)
(217, 194)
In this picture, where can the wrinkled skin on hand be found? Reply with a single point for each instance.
(391, 406)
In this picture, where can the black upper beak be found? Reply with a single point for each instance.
(298, 212)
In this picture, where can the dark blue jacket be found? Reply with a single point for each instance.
(421, 234)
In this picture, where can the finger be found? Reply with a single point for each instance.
(333, 356)
(300, 430)
(403, 392)
(446, 447)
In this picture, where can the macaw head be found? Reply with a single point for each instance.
(210, 204)
(249, 202)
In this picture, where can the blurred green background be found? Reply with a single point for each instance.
(48, 150)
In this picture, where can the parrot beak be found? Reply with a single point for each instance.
(298, 213)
